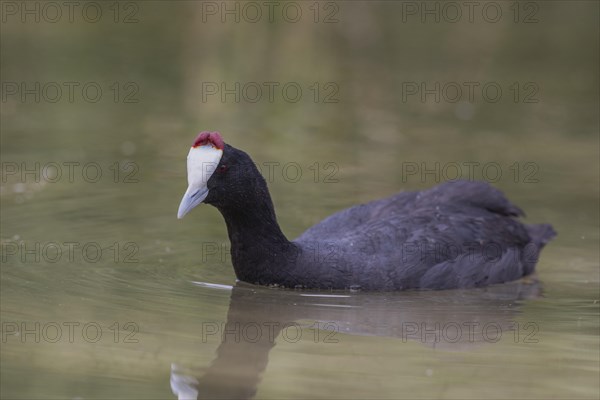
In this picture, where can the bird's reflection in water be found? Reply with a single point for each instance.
(448, 320)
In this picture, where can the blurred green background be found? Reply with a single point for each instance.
(356, 127)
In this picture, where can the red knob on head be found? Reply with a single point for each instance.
(213, 138)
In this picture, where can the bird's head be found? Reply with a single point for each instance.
(218, 174)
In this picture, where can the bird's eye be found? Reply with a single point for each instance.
(223, 168)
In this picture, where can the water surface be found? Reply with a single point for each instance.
(146, 316)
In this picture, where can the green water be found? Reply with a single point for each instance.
(105, 294)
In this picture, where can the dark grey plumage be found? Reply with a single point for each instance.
(456, 235)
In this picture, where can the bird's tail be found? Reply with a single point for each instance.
(541, 234)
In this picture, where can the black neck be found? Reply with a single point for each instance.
(260, 252)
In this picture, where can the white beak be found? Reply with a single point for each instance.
(202, 161)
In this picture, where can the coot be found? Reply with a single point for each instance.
(458, 234)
